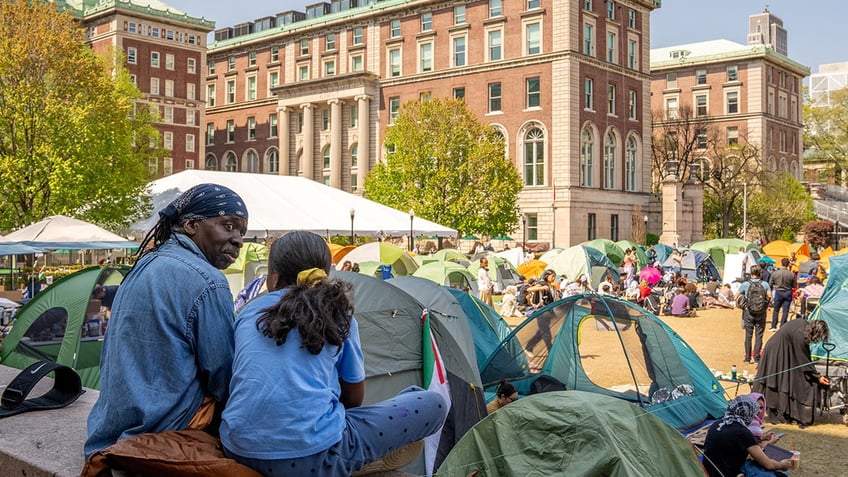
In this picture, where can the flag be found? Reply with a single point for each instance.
(435, 379)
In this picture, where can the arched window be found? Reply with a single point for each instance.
(252, 161)
(587, 145)
(354, 156)
(272, 158)
(609, 161)
(500, 132)
(211, 163)
(630, 165)
(230, 162)
(534, 157)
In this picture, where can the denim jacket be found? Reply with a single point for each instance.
(169, 343)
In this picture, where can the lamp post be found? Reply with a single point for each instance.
(411, 220)
(352, 215)
(645, 219)
(524, 234)
(744, 211)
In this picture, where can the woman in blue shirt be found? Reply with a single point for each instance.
(298, 377)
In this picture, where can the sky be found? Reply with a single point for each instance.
(815, 27)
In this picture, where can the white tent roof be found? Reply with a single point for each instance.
(59, 231)
(279, 204)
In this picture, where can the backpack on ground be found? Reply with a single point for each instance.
(756, 298)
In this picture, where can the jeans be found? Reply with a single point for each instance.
(754, 326)
(782, 300)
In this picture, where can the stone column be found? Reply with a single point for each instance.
(335, 143)
(283, 139)
(307, 161)
(671, 211)
(364, 134)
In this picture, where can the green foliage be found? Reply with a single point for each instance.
(652, 239)
(448, 167)
(826, 133)
(780, 203)
(817, 233)
(788, 235)
(68, 123)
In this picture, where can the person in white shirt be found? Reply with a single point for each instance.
(484, 283)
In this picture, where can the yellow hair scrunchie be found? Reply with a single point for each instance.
(311, 277)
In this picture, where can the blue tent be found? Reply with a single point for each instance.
(613, 347)
(833, 309)
(695, 265)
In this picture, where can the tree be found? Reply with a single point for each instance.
(72, 140)
(449, 167)
(733, 168)
(681, 141)
(826, 132)
(780, 207)
(817, 233)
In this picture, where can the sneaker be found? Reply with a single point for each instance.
(772, 329)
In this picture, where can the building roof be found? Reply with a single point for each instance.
(86, 9)
(717, 51)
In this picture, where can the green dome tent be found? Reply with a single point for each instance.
(571, 433)
(833, 309)
(448, 273)
(608, 248)
(579, 259)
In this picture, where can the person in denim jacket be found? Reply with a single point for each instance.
(169, 345)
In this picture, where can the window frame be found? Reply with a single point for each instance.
(495, 97)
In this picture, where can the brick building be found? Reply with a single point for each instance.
(566, 83)
(166, 55)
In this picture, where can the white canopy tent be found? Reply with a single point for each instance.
(59, 231)
(278, 204)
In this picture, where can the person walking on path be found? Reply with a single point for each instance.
(757, 296)
(168, 350)
(484, 283)
(782, 282)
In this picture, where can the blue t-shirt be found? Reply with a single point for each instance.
(284, 400)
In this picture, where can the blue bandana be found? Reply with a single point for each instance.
(205, 201)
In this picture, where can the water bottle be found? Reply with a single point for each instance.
(733, 373)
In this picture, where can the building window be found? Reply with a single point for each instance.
(631, 54)
(425, 96)
(671, 80)
(394, 28)
(701, 138)
(459, 51)
(272, 125)
(303, 72)
(732, 73)
(394, 62)
(168, 166)
(532, 227)
(189, 142)
(534, 94)
(356, 36)
(701, 105)
(272, 157)
(533, 33)
(169, 61)
(154, 31)
(168, 140)
(273, 80)
(588, 39)
(394, 109)
(531, 4)
(132, 56)
(210, 134)
(426, 57)
(330, 68)
(732, 102)
(251, 128)
(231, 91)
(191, 91)
(211, 163)
(169, 88)
(459, 93)
(614, 227)
(231, 130)
(189, 164)
(132, 27)
(154, 59)
(632, 105)
(154, 86)
(630, 165)
(275, 54)
(353, 114)
(701, 76)
(494, 97)
(325, 119)
(459, 14)
(587, 5)
(354, 156)
(631, 18)
(732, 135)
(325, 155)
(356, 63)
(591, 226)
(495, 45)
(611, 99)
(587, 94)
(587, 150)
(782, 141)
(153, 166)
(211, 68)
(609, 161)
(671, 109)
(230, 162)
(426, 21)
(304, 46)
(210, 95)
(495, 8)
(330, 41)
(611, 44)
(190, 117)
(252, 161)
(251, 88)
(168, 115)
(534, 157)
(231, 63)
(610, 9)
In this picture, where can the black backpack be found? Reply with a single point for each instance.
(756, 299)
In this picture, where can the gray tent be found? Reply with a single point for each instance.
(390, 332)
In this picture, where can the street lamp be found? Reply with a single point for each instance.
(744, 211)
(352, 215)
(411, 219)
(645, 219)
(524, 235)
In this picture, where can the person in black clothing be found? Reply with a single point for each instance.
(729, 442)
(106, 294)
(782, 282)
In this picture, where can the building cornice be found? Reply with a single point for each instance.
(108, 7)
(758, 52)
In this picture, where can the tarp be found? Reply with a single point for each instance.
(17, 249)
(63, 324)
(612, 347)
(571, 433)
(579, 259)
(833, 309)
(279, 204)
(59, 231)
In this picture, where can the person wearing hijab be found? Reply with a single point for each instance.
(729, 442)
(168, 350)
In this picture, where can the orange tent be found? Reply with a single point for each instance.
(532, 268)
(777, 249)
(339, 251)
